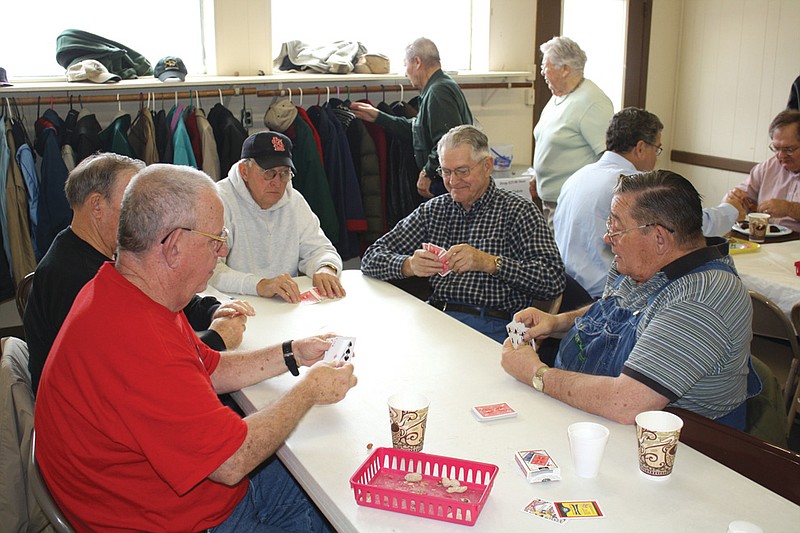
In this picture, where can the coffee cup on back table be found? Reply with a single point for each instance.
(758, 224)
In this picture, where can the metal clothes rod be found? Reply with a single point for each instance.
(163, 94)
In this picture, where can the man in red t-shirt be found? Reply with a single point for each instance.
(130, 433)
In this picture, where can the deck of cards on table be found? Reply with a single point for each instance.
(493, 411)
(312, 296)
(537, 465)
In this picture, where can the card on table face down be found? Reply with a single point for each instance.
(494, 411)
(311, 296)
(342, 350)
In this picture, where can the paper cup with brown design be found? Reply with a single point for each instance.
(408, 413)
(658, 433)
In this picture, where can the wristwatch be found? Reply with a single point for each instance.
(537, 381)
(288, 358)
(498, 262)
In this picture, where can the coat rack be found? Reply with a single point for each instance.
(112, 96)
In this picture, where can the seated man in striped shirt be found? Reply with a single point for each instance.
(673, 326)
(497, 249)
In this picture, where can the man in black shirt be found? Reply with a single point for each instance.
(94, 190)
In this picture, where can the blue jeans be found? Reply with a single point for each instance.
(489, 326)
(274, 503)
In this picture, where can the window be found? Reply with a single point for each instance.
(157, 28)
(154, 28)
(605, 50)
(382, 27)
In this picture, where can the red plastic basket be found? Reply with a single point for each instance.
(380, 482)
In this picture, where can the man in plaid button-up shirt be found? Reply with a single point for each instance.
(498, 248)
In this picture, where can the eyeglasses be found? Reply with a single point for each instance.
(270, 174)
(460, 172)
(788, 150)
(611, 234)
(658, 148)
(216, 242)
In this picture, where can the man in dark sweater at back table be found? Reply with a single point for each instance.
(94, 190)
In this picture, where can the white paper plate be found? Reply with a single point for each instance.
(782, 230)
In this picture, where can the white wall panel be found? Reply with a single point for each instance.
(736, 63)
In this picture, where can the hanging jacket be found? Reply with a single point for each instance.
(210, 164)
(115, 137)
(163, 136)
(54, 210)
(86, 140)
(23, 260)
(311, 180)
(365, 162)
(304, 115)
(378, 135)
(229, 134)
(73, 46)
(190, 121)
(142, 137)
(7, 285)
(342, 180)
(5, 158)
(70, 124)
(181, 144)
(401, 196)
(27, 164)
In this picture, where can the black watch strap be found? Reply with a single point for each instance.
(288, 358)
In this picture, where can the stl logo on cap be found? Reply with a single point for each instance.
(277, 144)
(170, 63)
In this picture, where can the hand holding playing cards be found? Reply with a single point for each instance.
(423, 264)
(540, 324)
(520, 362)
(328, 284)
(328, 384)
(282, 285)
(309, 350)
(465, 258)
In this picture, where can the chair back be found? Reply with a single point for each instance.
(43, 496)
(794, 398)
(766, 412)
(23, 290)
(782, 355)
(549, 306)
(771, 467)
(25, 509)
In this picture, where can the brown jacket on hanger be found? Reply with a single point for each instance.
(23, 259)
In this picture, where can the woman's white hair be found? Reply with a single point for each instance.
(564, 51)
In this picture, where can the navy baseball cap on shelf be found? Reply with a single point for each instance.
(269, 149)
(170, 68)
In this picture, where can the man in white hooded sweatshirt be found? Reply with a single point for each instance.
(273, 233)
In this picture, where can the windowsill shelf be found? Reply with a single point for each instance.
(341, 80)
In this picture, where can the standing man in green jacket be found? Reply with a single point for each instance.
(442, 106)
